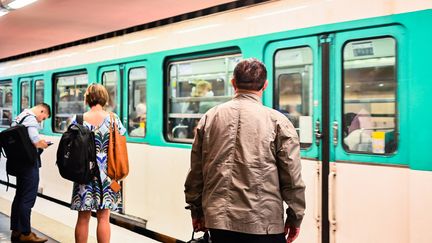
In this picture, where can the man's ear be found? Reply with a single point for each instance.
(265, 85)
(234, 84)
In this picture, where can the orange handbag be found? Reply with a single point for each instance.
(117, 161)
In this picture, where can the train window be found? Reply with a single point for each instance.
(195, 86)
(293, 96)
(369, 96)
(39, 91)
(137, 101)
(25, 95)
(109, 80)
(69, 98)
(6, 103)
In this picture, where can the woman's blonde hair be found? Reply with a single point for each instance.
(96, 94)
(201, 88)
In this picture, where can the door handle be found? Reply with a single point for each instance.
(317, 211)
(332, 198)
(318, 135)
(335, 133)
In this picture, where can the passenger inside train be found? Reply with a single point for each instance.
(358, 131)
(139, 122)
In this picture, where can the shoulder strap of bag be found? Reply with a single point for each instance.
(112, 121)
(80, 119)
(22, 120)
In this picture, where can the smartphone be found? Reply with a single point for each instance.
(49, 143)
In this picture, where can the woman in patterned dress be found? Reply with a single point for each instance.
(90, 197)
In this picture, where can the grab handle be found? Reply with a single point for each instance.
(332, 196)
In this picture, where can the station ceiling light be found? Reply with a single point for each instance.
(15, 4)
(8, 5)
(3, 11)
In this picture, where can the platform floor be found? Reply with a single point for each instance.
(57, 222)
(5, 232)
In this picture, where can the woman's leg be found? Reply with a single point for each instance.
(82, 226)
(103, 226)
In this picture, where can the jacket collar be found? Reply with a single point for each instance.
(247, 96)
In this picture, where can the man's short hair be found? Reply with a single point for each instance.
(47, 107)
(250, 74)
(96, 94)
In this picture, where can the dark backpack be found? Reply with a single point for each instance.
(19, 149)
(203, 239)
(76, 153)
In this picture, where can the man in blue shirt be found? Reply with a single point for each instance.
(28, 180)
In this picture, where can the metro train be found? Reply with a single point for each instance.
(353, 77)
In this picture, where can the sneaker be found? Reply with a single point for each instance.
(32, 237)
(15, 235)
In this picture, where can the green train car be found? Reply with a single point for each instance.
(354, 77)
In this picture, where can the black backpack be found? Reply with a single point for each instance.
(76, 153)
(19, 149)
(203, 239)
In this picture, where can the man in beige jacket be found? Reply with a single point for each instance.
(245, 162)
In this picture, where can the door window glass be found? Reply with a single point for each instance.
(293, 96)
(369, 96)
(39, 91)
(109, 80)
(25, 95)
(137, 101)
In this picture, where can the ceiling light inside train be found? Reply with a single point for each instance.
(16, 4)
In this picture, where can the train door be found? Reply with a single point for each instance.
(135, 121)
(340, 91)
(126, 84)
(296, 93)
(368, 177)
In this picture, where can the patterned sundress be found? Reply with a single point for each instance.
(90, 196)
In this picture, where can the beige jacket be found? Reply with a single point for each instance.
(245, 162)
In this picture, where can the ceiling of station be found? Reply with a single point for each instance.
(48, 23)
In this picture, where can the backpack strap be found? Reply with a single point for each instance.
(80, 118)
(7, 175)
(112, 121)
(22, 120)
(7, 187)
